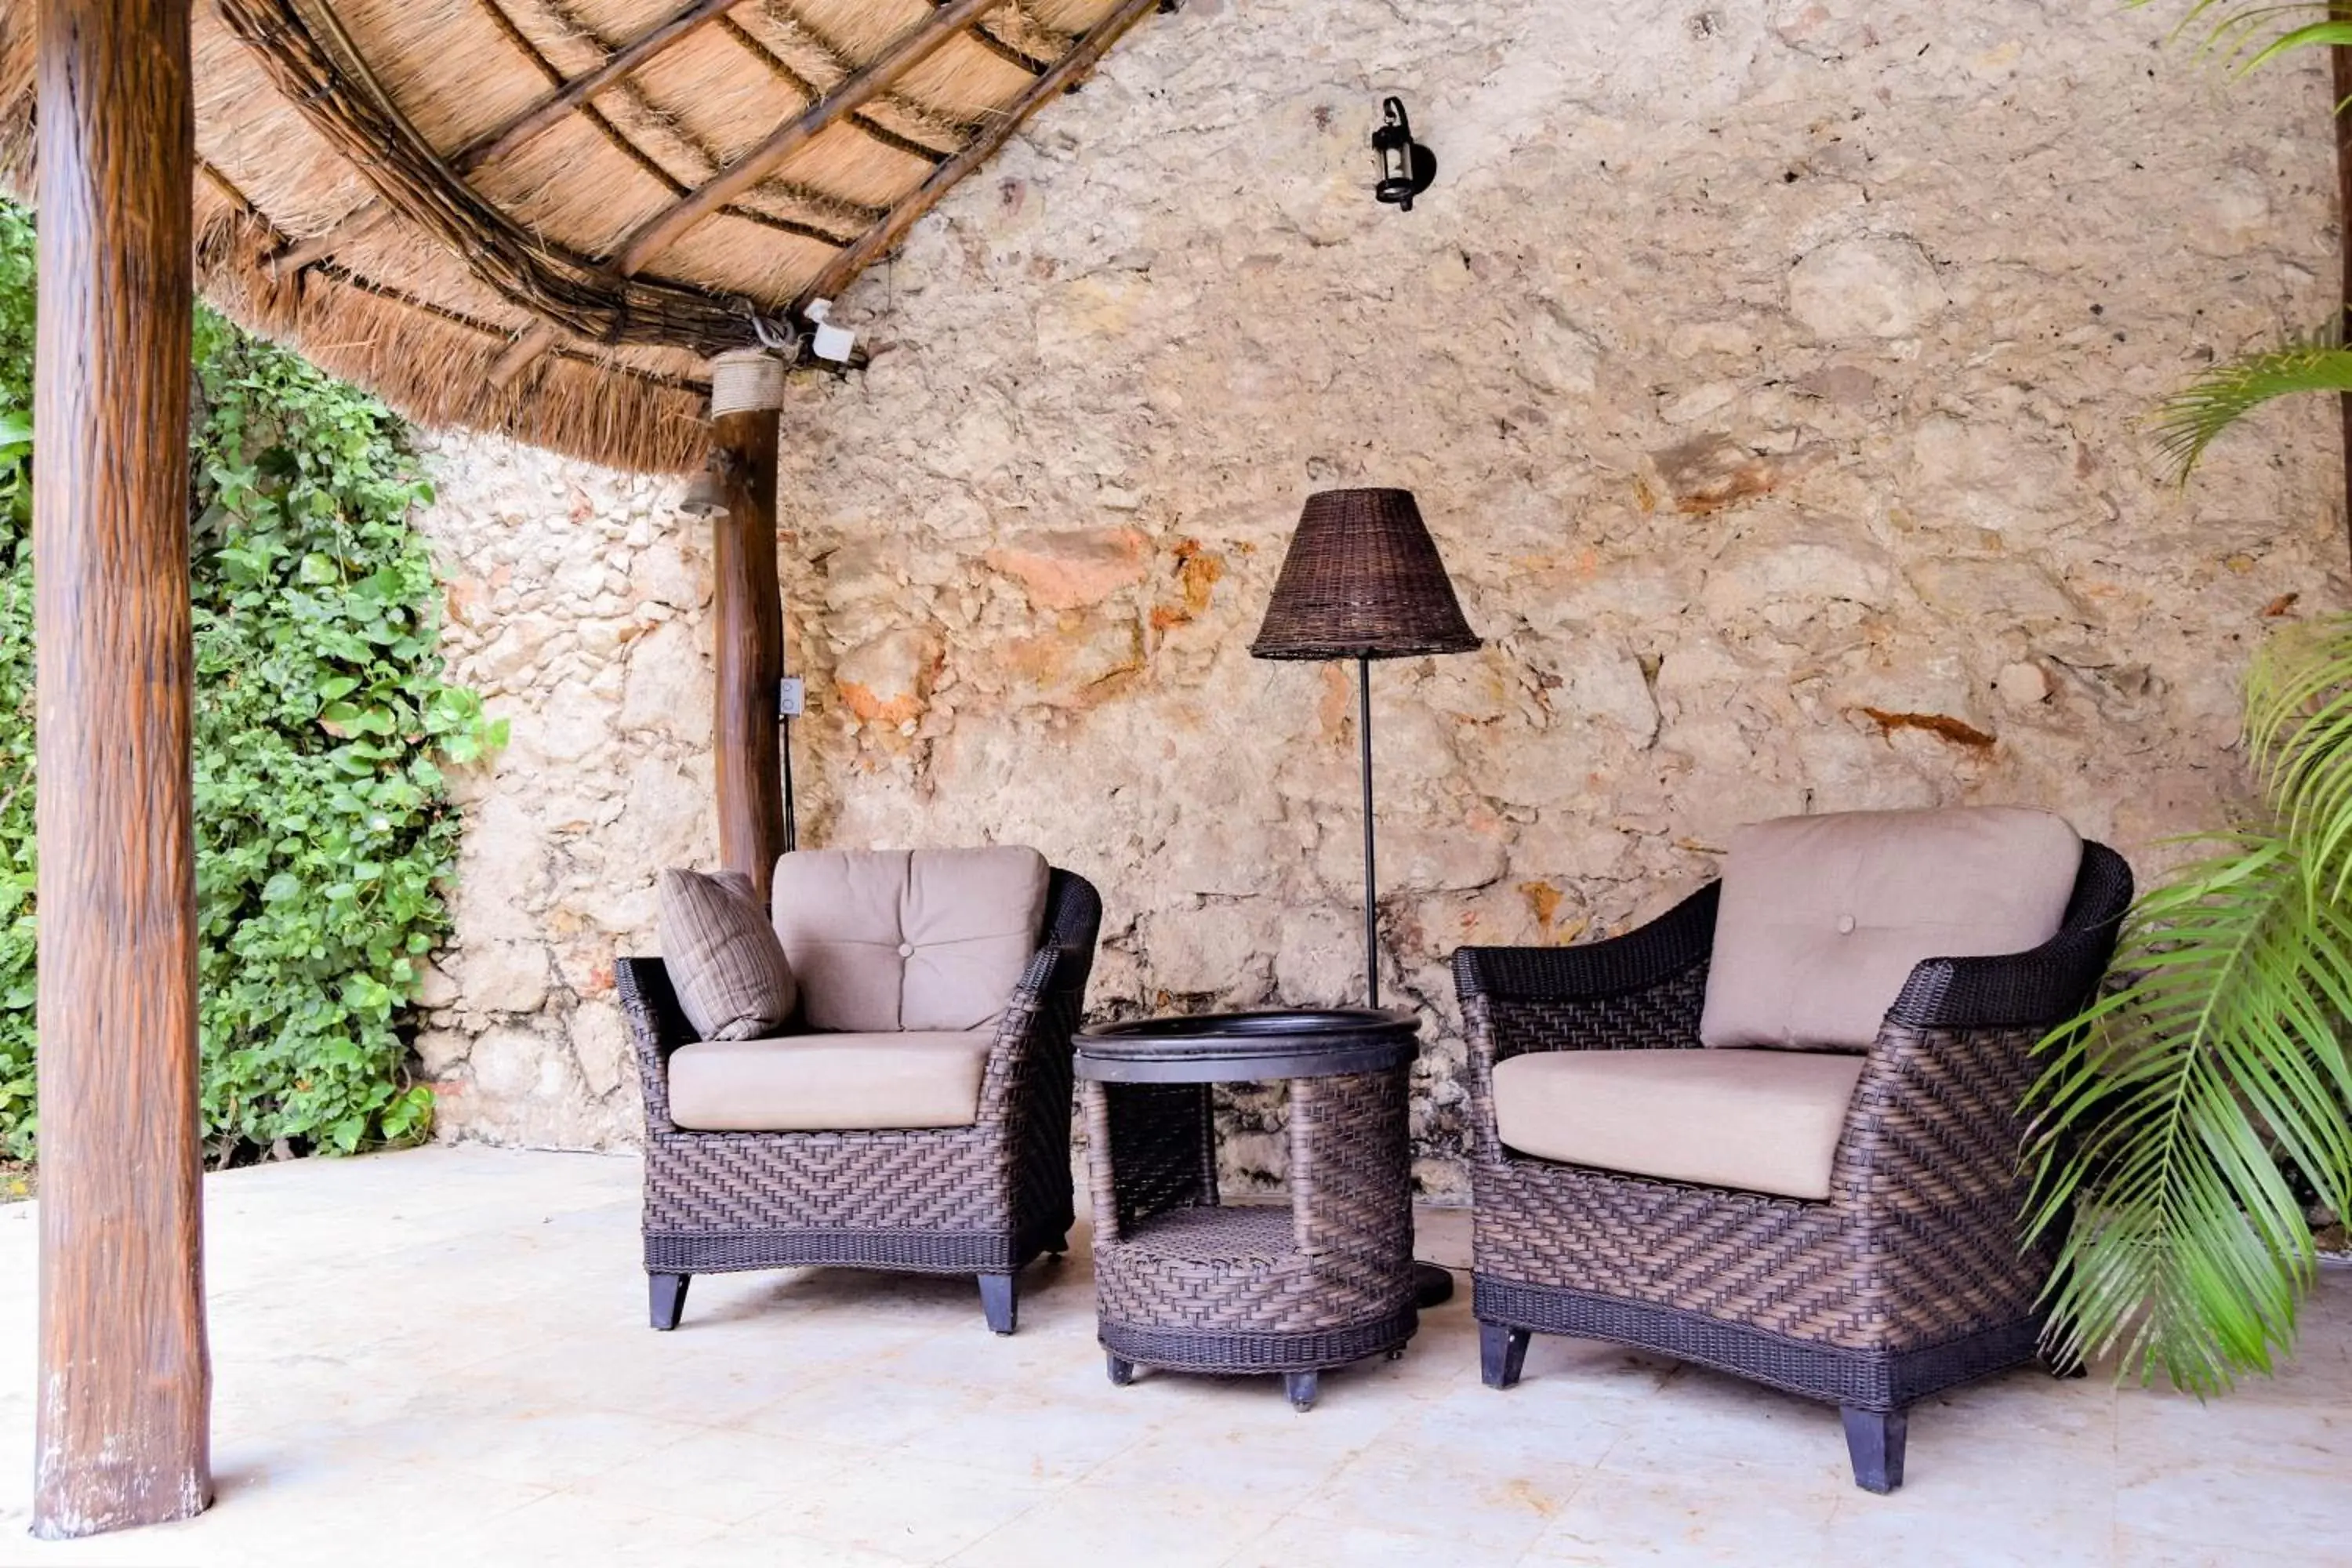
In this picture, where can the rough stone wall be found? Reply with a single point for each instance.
(575, 605)
(1772, 376)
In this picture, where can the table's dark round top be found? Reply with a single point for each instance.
(1234, 1048)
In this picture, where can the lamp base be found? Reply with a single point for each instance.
(1432, 1285)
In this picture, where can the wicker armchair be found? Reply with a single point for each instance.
(1908, 1278)
(982, 1199)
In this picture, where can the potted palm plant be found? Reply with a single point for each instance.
(2189, 1116)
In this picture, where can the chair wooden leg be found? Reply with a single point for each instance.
(1301, 1387)
(666, 1295)
(1122, 1372)
(998, 1302)
(1873, 1441)
(1502, 1352)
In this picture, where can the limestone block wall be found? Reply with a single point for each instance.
(575, 604)
(1772, 376)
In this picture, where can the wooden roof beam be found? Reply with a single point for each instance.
(571, 95)
(914, 148)
(917, 44)
(362, 220)
(1009, 52)
(628, 149)
(1082, 56)
(519, 355)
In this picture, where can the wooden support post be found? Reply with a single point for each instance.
(2339, 61)
(125, 1380)
(749, 645)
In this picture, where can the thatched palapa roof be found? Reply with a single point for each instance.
(543, 217)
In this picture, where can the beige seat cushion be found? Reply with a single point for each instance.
(829, 1082)
(723, 959)
(923, 938)
(1824, 917)
(1763, 1122)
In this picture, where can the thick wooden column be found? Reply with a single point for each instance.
(125, 1381)
(749, 614)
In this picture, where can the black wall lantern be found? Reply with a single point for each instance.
(1406, 167)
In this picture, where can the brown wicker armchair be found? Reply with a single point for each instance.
(1907, 1278)
(982, 1199)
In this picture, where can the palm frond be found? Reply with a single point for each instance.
(2169, 1113)
(2189, 420)
(2248, 37)
(2314, 35)
(2299, 731)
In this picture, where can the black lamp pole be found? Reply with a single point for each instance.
(1371, 879)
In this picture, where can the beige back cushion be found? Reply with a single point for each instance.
(898, 939)
(723, 959)
(1824, 917)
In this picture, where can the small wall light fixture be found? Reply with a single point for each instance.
(707, 496)
(1406, 167)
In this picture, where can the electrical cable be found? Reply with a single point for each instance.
(791, 817)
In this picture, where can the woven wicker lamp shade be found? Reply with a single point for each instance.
(1362, 580)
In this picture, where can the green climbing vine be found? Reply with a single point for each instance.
(323, 825)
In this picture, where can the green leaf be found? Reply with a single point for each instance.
(2191, 419)
(320, 856)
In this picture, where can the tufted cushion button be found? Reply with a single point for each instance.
(1846, 927)
(907, 949)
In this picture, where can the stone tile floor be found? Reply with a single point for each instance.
(440, 1358)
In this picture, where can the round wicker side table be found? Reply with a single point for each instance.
(1188, 1284)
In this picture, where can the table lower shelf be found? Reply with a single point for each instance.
(1252, 1235)
(1229, 1289)
(1241, 1236)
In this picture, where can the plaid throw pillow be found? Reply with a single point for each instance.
(723, 958)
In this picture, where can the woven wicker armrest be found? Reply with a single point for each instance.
(2038, 989)
(1637, 961)
(1929, 1180)
(1939, 1120)
(1640, 991)
(658, 1026)
(1045, 1006)
(1026, 1022)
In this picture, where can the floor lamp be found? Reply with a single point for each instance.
(1363, 581)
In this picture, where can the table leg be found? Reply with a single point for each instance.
(1301, 1387)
